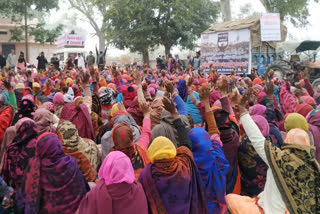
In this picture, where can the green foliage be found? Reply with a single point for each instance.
(294, 10)
(43, 35)
(142, 24)
(16, 7)
(16, 34)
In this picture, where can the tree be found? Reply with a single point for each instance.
(130, 25)
(180, 22)
(294, 10)
(93, 10)
(20, 8)
(43, 35)
(226, 10)
(142, 24)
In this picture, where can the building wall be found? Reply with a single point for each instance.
(34, 48)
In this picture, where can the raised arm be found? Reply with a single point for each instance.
(251, 129)
(211, 121)
(181, 106)
(146, 133)
(183, 139)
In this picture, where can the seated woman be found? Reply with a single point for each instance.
(43, 119)
(292, 178)
(171, 181)
(18, 152)
(253, 169)
(122, 138)
(85, 151)
(210, 159)
(53, 182)
(116, 192)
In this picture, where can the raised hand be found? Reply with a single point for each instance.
(85, 77)
(305, 74)
(137, 77)
(169, 87)
(145, 108)
(169, 106)
(223, 86)
(246, 97)
(269, 88)
(204, 93)
(6, 84)
(121, 107)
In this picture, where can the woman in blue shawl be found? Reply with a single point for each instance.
(193, 110)
(182, 88)
(213, 166)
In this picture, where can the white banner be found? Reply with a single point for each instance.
(227, 51)
(71, 40)
(270, 27)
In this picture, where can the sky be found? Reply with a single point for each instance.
(311, 32)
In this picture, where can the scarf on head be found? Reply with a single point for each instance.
(166, 127)
(156, 110)
(116, 191)
(53, 178)
(135, 111)
(314, 128)
(212, 166)
(43, 119)
(96, 105)
(119, 118)
(79, 148)
(80, 117)
(182, 88)
(173, 184)
(107, 97)
(214, 96)
(257, 109)
(296, 173)
(304, 109)
(9, 135)
(129, 93)
(18, 153)
(253, 169)
(6, 115)
(193, 110)
(26, 109)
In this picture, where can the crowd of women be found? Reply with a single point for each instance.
(151, 141)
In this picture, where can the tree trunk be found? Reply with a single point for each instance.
(167, 50)
(226, 10)
(102, 42)
(145, 56)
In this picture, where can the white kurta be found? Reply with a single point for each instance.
(81, 63)
(270, 199)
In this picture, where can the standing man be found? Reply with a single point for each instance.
(101, 58)
(55, 61)
(81, 61)
(2, 62)
(190, 60)
(42, 61)
(90, 59)
(12, 60)
(197, 62)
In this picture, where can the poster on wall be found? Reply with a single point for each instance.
(270, 27)
(227, 51)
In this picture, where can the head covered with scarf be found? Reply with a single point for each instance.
(117, 190)
(52, 177)
(213, 166)
(18, 152)
(172, 173)
(43, 119)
